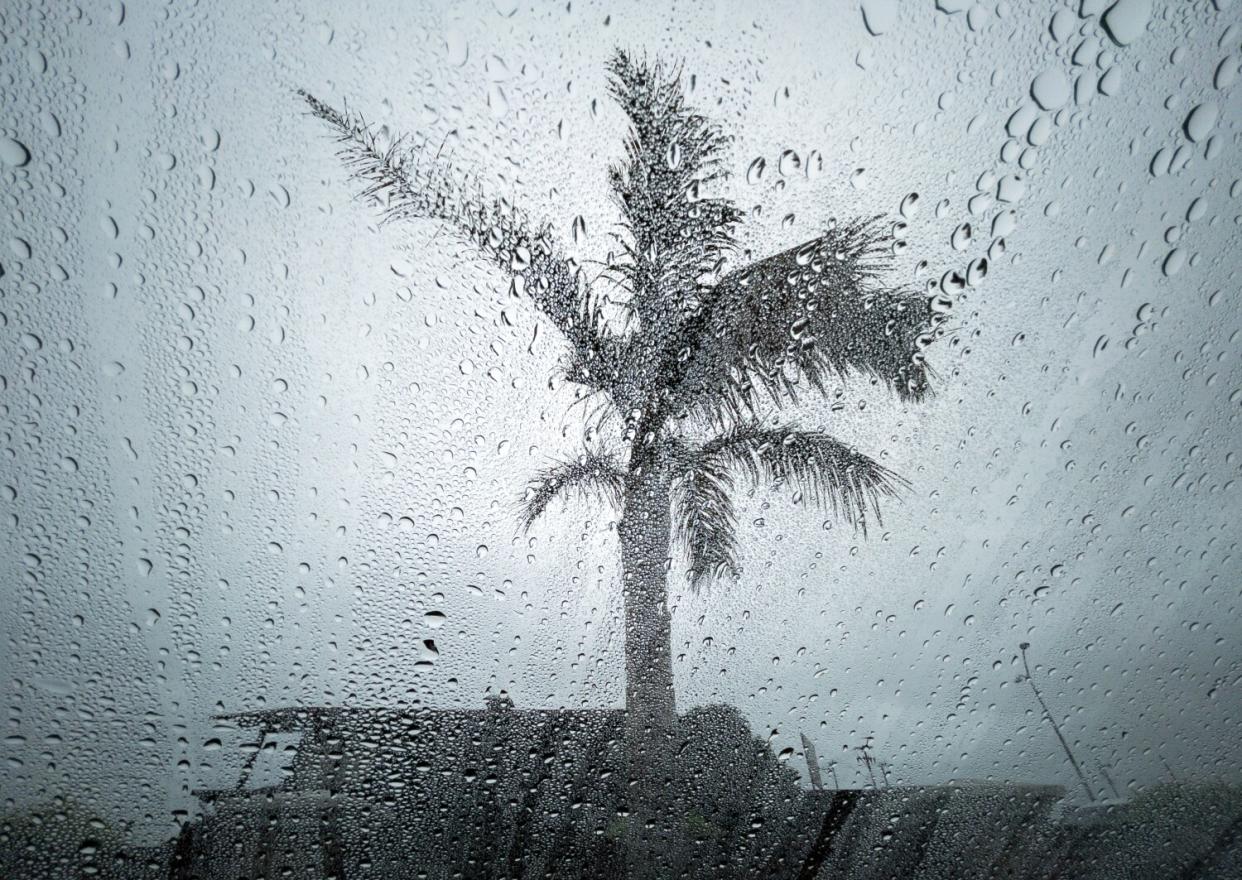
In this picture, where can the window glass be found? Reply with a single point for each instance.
(579, 439)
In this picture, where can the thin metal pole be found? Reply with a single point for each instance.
(812, 763)
(1107, 778)
(1167, 768)
(1056, 727)
(867, 760)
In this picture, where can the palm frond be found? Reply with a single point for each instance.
(812, 312)
(675, 233)
(592, 473)
(833, 475)
(408, 184)
(704, 521)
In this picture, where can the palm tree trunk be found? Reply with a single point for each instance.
(644, 533)
(649, 701)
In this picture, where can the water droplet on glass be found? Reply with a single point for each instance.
(1126, 20)
(879, 16)
(754, 173)
(1201, 121)
(13, 153)
(1051, 89)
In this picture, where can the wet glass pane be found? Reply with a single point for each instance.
(509, 439)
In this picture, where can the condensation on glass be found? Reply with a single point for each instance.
(508, 439)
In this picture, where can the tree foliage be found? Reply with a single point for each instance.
(703, 347)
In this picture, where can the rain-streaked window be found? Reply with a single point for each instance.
(509, 439)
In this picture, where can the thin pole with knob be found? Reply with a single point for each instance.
(1056, 727)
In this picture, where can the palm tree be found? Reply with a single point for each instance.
(691, 357)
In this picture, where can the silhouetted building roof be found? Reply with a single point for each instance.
(498, 791)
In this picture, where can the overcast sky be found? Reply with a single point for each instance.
(252, 440)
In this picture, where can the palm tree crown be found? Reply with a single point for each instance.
(692, 348)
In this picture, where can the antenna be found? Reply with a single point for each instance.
(867, 760)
